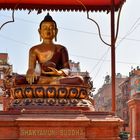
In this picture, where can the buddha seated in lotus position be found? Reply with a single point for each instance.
(52, 58)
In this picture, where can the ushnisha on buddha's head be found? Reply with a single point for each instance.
(48, 28)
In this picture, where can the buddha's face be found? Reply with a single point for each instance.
(48, 30)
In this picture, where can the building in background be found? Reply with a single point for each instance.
(125, 88)
(75, 70)
(75, 67)
(103, 98)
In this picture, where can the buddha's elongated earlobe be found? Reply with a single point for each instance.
(40, 35)
(40, 38)
(55, 38)
(56, 31)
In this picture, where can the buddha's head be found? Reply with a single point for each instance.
(48, 28)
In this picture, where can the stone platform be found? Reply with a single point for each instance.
(59, 124)
(44, 112)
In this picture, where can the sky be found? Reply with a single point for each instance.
(80, 36)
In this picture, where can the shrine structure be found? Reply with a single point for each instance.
(62, 111)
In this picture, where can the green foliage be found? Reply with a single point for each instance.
(124, 135)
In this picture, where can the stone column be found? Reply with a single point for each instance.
(134, 113)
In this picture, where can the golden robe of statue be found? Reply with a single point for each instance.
(52, 58)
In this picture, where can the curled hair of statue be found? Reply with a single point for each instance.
(48, 18)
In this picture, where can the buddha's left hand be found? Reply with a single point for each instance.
(53, 72)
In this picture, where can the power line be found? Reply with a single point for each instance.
(80, 31)
(85, 57)
(8, 38)
(134, 27)
(129, 32)
(105, 60)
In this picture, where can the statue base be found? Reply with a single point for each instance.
(50, 104)
(48, 97)
(59, 125)
(55, 113)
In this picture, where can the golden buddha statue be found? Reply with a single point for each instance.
(52, 58)
(54, 85)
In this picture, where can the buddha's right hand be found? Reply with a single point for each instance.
(31, 76)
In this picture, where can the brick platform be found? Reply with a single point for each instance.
(58, 125)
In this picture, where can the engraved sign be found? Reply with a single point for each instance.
(52, 132)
